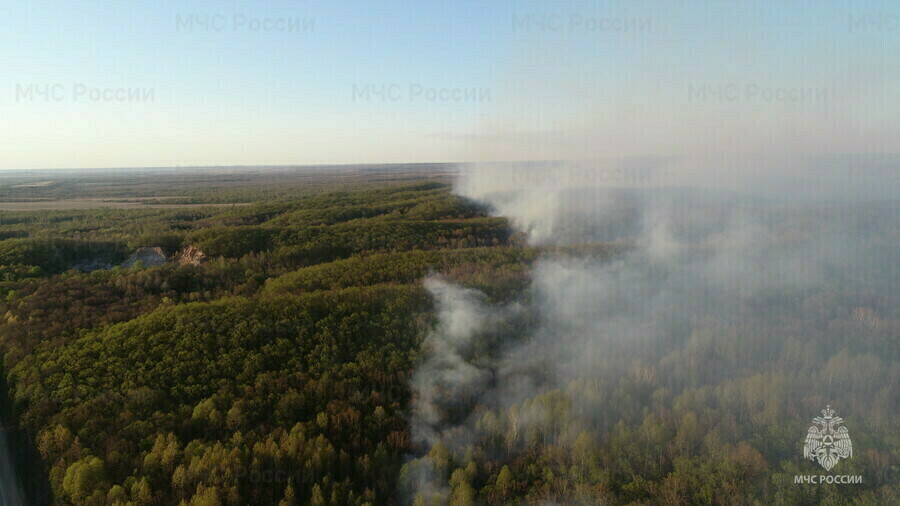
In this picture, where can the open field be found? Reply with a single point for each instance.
(63, 204)
(199, 184)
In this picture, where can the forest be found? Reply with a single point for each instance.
(282, 368)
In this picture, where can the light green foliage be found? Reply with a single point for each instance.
(278, 372)
(189, 384)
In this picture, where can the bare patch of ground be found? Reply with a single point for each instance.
(34, 185)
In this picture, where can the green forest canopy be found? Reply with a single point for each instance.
(277, 372)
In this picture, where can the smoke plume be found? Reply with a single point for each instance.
(724, 273)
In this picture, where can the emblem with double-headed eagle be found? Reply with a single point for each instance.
(826, 441)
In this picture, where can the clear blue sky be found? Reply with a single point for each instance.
(284, 81)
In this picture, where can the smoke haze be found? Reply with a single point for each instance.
(766, 271)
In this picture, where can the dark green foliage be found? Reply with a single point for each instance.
(201, 374)
(499, 271)
(57, 255)
(278, 371)
(189, 382)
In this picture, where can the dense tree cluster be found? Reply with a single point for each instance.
(276, 373)
(716, 417)
(279, 371)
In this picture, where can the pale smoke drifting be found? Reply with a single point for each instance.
(445, 378)
(449, 379)
(699, 253)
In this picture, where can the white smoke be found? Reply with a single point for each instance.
(697, 254)
(445, 378)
